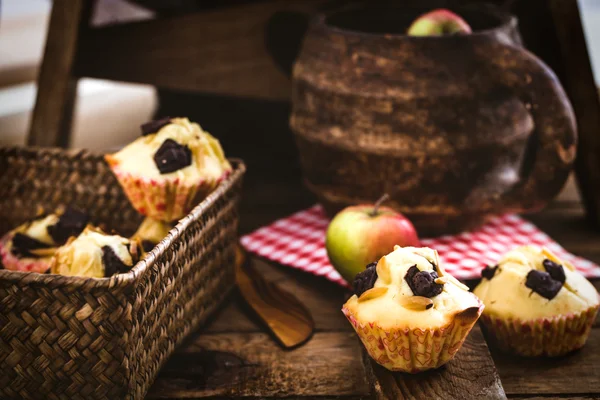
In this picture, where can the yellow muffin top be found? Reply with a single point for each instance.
(95, 254)
(526, 284)
(392, 303)
(207, 159)
(152, 230)
(39, 237)
(38, 229)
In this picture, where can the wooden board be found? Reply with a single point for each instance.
(233, 357)
(470, 375)
(253, 365)
(574, 374)
(221, 51)
(333, 366)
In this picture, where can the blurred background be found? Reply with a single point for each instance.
(107, 114)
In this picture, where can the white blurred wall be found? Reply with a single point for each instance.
(107, 114)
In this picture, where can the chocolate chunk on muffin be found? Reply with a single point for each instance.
(169, 169)
(30, 246)
(96, 254)
(409, 313)
(537, 304)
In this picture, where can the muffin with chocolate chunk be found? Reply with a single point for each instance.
(537, 304)
(30, 246)
(150, 232)
(409, 313)
(96, 254)
(171, 167)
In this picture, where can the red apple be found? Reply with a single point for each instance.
(359, 235)
(438, 22)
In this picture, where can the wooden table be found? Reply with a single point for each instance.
(233, 356)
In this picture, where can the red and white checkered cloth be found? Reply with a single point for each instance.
(299, 242)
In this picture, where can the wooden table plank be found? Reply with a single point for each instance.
(253, 365)
(233, 356)
(470, 375)
(577, 373)
(321, 297)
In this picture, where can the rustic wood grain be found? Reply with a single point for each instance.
(576, 373)
(220, 51)
(285, 316)
(252, 364)
(52, 114)
(470, 375)
(564, 396)
(320, 296)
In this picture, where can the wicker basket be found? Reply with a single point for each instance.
(84, 338)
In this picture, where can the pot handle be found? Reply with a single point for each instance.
(552, 145)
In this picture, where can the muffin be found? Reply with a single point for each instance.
(95, 254)
(171, 167)
(409, 313)
(30, 246)
(150, 232)
(536, 304)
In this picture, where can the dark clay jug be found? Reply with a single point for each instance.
(453, 128)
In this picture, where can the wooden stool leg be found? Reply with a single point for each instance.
(52, 115)
(580, 85)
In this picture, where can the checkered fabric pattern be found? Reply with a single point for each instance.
(298, 241)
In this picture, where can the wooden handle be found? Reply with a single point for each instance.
(552, 146)
(285, 316)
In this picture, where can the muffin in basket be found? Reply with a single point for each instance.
(409, 313)
(537, 304)
(171, 167)
(96, 254)
(30, 246)
(150, 232)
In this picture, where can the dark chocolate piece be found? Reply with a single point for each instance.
(488, 272)
(22, 244)
(70, 223)
(38, 217)
(365, 280)
(543, 284)
(172, 156)
(148, 245)
(154, 126)
(555, 270)
(112, 263)
(422, 282)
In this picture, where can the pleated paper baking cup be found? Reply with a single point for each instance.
(23, 264)
(542, 337)
(414, 350)
(164, 200)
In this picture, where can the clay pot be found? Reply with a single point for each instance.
(454, 128)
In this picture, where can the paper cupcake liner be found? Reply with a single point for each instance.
(541, 337)
(414, 350)
(164, 200)
(23, 264)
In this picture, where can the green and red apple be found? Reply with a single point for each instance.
(362, 234)
(437, 23)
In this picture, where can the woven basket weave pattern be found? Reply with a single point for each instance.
(78, 338)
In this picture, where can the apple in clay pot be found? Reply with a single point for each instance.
(437, 23)
(359, 235)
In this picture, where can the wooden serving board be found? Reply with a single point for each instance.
(234, 357)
